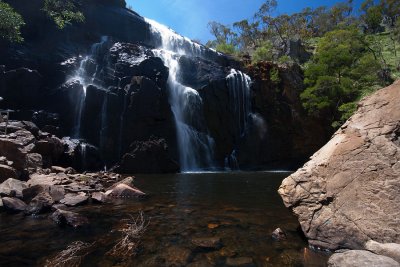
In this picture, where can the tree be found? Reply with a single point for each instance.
(10, 23)
(263, 52)
(372, 16)
(225, 38)
(63, 12)
(341, 71)
(390, 10)
(248, 34)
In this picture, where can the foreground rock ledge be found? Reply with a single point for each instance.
(349, 192)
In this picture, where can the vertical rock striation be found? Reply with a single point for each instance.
(349, 192)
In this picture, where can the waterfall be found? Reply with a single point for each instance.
(83, 155)
(86, 74)
(240, 102)
(195, 146)
(239, 85)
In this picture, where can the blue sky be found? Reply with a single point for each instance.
(190, 17)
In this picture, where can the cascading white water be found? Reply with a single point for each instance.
(239, 85)
(195, 146)
(239, 92)
(86, 74)
(83, 147)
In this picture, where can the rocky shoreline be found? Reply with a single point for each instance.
(32, 185)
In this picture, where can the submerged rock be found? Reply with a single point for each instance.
(242, 261)
(63, 217)
(207, 242)
(347, 193)
(177, 256)
(360, 258)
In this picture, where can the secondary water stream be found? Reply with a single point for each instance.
(242, 209)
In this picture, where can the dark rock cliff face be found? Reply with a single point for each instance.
(100, 81)
(291, 135)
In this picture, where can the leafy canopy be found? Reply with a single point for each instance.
(63, 12)
(341, 70)
(10, 23)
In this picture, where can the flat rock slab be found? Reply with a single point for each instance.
(69, 218)
(207, 242)
(125, 191)
(73, 200)
(360, 258)
(47, 179)
(13, 204)
(348, 193)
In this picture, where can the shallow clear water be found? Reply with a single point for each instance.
(240, 208)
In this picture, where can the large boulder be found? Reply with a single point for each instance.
(57, 192)
(391, 250)
(15, 146)
(12, 187)
(13, 205)
(51, 148)
(348, 193)
(40, 204)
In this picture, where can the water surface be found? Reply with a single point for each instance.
(241, 208)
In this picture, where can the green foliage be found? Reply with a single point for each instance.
(347, 64)
(372, 16)
(390, 10)
(10, 23)
(274, 75)
(342, 70)
(225, 48)
(346, 110)
(285, 60)
(263, 52)
(63, 12)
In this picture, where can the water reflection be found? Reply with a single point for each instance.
(241, 209)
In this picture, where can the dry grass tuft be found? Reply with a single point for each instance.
(70, 257)
(127, 246)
